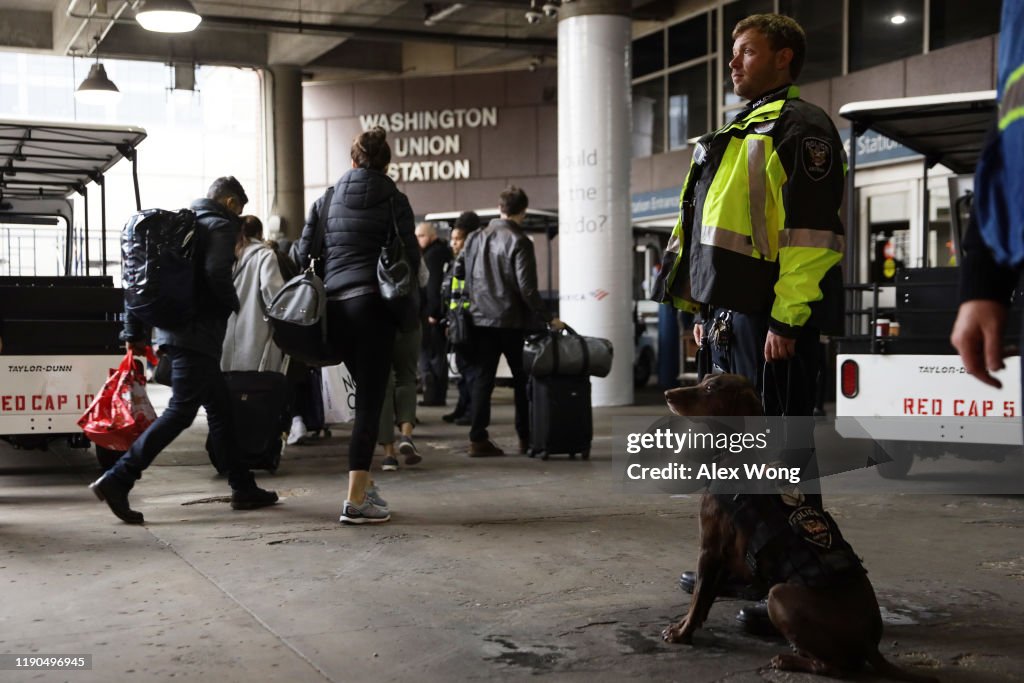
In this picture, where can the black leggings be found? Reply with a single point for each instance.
(364, 328)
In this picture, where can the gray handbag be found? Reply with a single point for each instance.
(567, 353)
(298, 312)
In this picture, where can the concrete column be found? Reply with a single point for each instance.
(286, 182)
(595, 227)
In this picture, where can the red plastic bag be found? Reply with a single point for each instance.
(121, 411)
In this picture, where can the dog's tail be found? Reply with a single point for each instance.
(887, 669)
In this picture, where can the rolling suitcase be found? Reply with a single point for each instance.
(561, 420)
(258, 410)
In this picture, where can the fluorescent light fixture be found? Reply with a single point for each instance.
(898, 19)
(97, 89)
(168, 16)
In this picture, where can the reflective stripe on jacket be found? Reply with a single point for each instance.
(759, 223)
(999, 178)
(459, 295)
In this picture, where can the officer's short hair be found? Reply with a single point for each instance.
(781, 32)
(468, 221)
(513, 201)
(227, 186)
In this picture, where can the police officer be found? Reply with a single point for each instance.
(757, 245)
(994, 243)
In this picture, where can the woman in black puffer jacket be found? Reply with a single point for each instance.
(365, 207)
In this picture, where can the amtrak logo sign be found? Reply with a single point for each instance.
(817, 156)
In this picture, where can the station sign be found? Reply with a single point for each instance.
(432, 133)
(874, 149)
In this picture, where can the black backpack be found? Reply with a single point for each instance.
(158, 255)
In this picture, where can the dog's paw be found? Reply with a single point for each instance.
(677, 633)
(777, 662)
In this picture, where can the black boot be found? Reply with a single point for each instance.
(251, 499)
(733, 588)
(756, 621)
(114, 493)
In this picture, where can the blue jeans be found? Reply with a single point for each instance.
(196, 380)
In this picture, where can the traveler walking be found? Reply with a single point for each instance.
(365, 207)
(500, 271)
(194, 348)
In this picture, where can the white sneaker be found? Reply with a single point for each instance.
(367, 513)
(297, 434)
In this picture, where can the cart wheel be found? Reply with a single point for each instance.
(543, 455)
(585, 454)
(106, 457)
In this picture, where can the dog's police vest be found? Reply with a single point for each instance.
(791, 543)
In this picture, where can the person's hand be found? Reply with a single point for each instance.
(556, 324)
(698, 333)
(432, 320)
(978, 338)
(777, 347)
(136, 347)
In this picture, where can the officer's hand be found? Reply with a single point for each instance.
(556, 324)
(136, 347)
(978, 337)
(777, 347)
(698, 333)
(432, 320)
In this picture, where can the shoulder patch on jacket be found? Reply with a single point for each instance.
(812, 526)
(817, 157)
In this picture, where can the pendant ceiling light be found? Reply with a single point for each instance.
(97, 88)
(168, 16)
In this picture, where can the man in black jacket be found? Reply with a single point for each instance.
(433, 345)
(194, 349)
(500, 270)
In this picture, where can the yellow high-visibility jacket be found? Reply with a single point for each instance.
(759, 224)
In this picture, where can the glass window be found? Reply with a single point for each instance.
(688, 40)
(822, 21)
(954, 21)
(884, 30)
(648, 54)
(687, 105)
(649, 118)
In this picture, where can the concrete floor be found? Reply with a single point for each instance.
(492, 569)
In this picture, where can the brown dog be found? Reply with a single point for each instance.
(832, 627)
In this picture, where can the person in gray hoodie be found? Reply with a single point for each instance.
(194, 348)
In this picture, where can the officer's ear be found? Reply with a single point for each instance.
(783, 58)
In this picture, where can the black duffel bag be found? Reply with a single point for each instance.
(566, 352)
